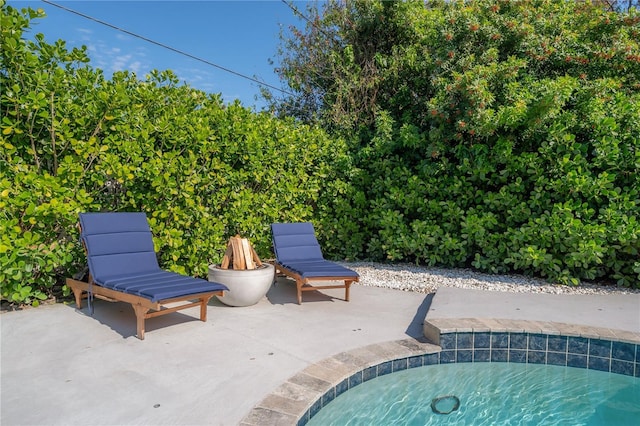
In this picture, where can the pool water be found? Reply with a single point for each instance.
(489, 394)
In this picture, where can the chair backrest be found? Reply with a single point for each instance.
(295, 242)
(117, 244)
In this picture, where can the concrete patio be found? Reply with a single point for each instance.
(60, 366)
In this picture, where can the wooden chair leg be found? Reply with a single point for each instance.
(77, 294)
(299, 285)
(203, 308)
(347, 285)
(141, 313)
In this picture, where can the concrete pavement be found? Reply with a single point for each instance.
(615, 311)
(60, 366)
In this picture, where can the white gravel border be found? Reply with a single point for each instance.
(409, 277)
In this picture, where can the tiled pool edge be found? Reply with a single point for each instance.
(568, 345)
(313, 387)
(459, 340)
(434, 327)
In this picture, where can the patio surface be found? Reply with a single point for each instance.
(60, 366)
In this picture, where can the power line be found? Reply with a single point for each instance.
(173, 49)
(301, 15)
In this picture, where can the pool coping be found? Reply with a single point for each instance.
(302, 395)
(435, 327)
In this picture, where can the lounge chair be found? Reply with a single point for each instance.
(123, 267)
(299, 256)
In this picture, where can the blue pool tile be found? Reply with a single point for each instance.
(622, 367)
(516, 355)
(328, 396)
(557, 358)
(465, 341)
(596, 354)
(537, 357)
(575, 360)
(557, 343)
(355, 379)
(385, 368)
(399, 364)
(304, 419)
(499, 340)
(481, 355)
(464, 356)
(342, 387)
(623, 351)
(431, 359)
(578, 345)
(518, 341)
(447, 357)
(482, 341)
(315, 408)
(369, 373)
(600, 348)
(538, 342)
(415, 361)
(499, 355)
(597, 363)
(448, 341)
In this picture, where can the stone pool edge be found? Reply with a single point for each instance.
(305, 393)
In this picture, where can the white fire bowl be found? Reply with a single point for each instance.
(246, 286)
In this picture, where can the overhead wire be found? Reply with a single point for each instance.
(303, 16)
(165, 46)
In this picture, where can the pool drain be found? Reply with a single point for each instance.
(445, 404)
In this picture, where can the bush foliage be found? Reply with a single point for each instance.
(499, 135)
(203, 171)
(502, 135)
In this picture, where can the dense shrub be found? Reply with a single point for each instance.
(73, 141)
(502, 135)
(498, 135)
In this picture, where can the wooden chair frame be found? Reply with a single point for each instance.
(306, 284)
(144, 308)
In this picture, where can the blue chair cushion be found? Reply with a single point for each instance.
(118, 243)
(324, 268)
(297, 249)
(160, 285)
(121, 256)
(295, 242)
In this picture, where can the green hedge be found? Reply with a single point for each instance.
(506, 138)
(520, 154)
(203, 171)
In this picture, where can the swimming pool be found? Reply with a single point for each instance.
(302, 396)
(489, 393)
(493, 347)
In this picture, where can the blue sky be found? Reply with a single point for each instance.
(240, 35)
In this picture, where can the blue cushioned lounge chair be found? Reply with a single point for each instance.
(298, 255)
(123, 267)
